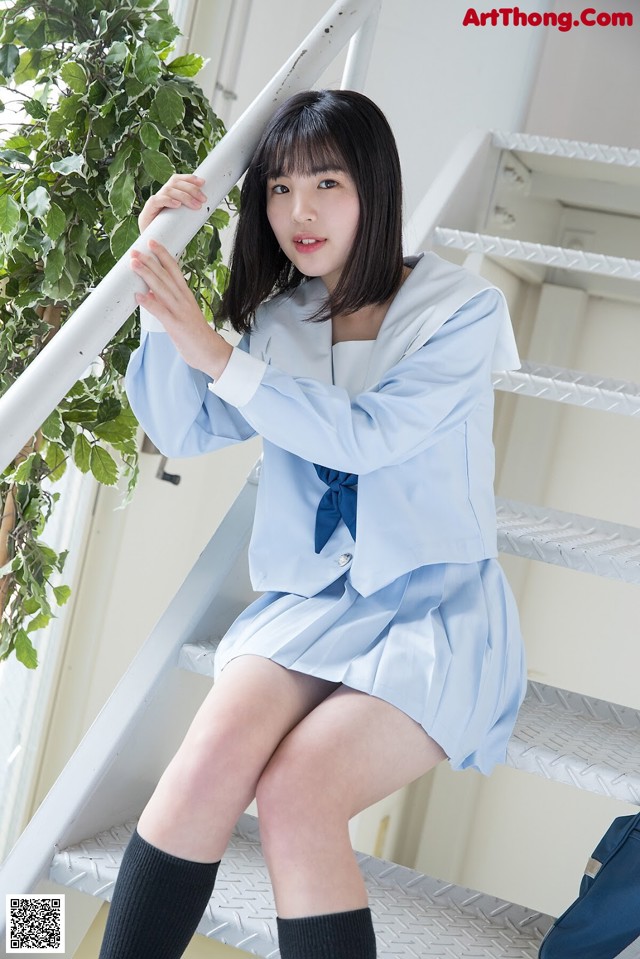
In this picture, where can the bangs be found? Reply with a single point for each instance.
(301, 145)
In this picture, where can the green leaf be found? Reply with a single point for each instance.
(35, 109)
(122, 193)
(39, 622)
(56, 124)
(31, 33)
(150, 135)
(117, 53)
(38, 202)
(124, 236)
(53, 426)
(167, 107)
(219, 218)
(24, 472)
(56, 460)
(9, 59)
(31, 63)
(74, 163)
(54, 264)
(74, 76)
(15, 156)
(79, 239)
(55, 222)
(25, 651)
(114, 431)
(120, 355)
(62, 594)
(85, 206)
(119, 163)
(103, 466)
(9, 213)
(109, 409)
(157, 165)
(82, 453)
(186, 66)
(146, 65)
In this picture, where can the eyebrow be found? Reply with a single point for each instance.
(314, 171)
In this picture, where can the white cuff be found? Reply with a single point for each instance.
(149, 323)
(240, 378)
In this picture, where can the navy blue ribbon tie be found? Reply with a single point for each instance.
(339, 502)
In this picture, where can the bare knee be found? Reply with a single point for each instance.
(298, 799)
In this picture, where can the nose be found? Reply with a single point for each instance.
(303, 209)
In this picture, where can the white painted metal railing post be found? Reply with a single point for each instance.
(45, 382)
(359, 53)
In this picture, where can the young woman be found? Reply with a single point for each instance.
(386, 637)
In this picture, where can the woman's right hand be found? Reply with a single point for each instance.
(181, 189)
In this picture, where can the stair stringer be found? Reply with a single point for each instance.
(116, 765)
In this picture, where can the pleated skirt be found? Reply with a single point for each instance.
(442, 643)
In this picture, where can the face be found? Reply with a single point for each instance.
(314, 219)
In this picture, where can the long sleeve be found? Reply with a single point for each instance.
(418, 401)
(171, 400)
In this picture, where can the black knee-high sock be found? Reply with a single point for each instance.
(337, 935)
(157, 903)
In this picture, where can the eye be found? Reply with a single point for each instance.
(327, 184)
(279, 188)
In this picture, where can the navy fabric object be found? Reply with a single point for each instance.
(339, 502)
(605, 918)
(334, 935)
(157, 903)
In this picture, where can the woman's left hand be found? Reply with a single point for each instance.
(171, 301)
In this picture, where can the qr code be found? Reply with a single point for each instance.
(35, 924)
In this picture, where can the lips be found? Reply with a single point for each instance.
(305, 243)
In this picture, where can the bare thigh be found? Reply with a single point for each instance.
(211, 780)
(351, 751)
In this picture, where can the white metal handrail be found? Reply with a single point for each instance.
(28, 402)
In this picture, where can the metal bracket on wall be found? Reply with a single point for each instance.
(149, 447)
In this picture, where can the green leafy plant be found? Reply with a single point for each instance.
(106, 115)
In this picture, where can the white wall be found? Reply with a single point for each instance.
(586, 77)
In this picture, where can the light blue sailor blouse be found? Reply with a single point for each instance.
(419, 436)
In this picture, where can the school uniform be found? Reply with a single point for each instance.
(374, 540)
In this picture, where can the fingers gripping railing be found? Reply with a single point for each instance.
(28, 402)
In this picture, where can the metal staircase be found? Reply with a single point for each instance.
(78, 834)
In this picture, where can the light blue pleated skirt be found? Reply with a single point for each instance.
(441, 643)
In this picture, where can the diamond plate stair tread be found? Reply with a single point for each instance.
(571, 386)
(569, 149)
(558, 257)
(414, 915)
(568, 539)
(578, 740)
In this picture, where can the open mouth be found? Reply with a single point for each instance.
(308, 244)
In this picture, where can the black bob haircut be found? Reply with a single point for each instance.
(312, 132)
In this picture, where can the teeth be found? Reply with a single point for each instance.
(307, 242)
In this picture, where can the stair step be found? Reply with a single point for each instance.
(571, 386)
(576, 150)
(574, 739)
(198, 657)
(553, 256)
(414, 915)
(568, 539)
